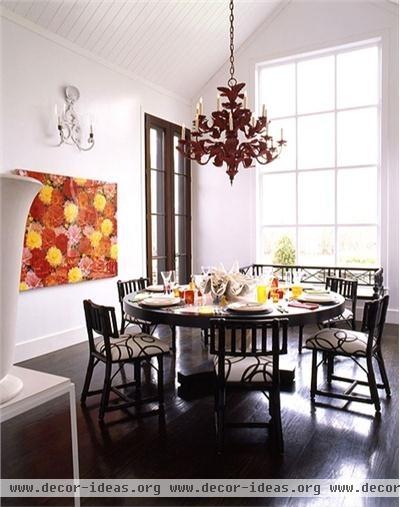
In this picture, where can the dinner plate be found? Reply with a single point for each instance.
(160, 302)
(249, 308)
(155, 288)
(318, 298)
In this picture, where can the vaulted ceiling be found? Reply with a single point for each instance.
(177, 44)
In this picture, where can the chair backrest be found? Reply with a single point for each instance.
(248, 338)
(129, 286)
(374, 317)
(345, 287)
(100, 320)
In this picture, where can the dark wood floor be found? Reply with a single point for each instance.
(325, 443)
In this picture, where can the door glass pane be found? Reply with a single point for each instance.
(157, 149)
(287, 158)
(317, 197)
(316, 141)
(278, 245)
(316, 246)
(357, 196)
(357, 245)
(180, 193)
(158, 235)
(279, 199)
(316, 85)
(357, 78)
(157, 265)
(277, 87)
(180, 235)
(179, 161)
(357, 133)
(157, 191)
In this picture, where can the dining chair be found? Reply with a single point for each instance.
(115, 350)
(248, 365)
(127, 287)
(356, 345)
(347, 289)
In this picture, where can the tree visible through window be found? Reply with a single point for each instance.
(322, 192)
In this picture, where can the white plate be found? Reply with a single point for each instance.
(155, 288)
(249, 308)
(159, 301)
(317, 298)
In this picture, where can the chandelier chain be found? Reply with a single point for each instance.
(232, 80)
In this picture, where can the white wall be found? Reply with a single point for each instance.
(34, 70)
(226, 221)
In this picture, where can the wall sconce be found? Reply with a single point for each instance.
(68, 124)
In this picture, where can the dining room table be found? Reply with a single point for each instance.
(180, 314)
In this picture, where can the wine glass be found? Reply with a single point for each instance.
(206, 270)
(201, 283)
(166, 276)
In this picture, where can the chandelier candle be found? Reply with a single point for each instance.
(232, 136)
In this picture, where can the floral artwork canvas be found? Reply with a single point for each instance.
(71, 232)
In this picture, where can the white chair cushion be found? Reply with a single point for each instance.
(340, 341)
(129, 346)
(247, 369)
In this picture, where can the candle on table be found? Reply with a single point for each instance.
(201, 105)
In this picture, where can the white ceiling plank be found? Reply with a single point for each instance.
(66, 29)
(36, 10)
(98, 31)
(83, 21)
(49, 12)
(61, 16)
(22, 7)
(101, 11)
(113, 25)
(9, 4)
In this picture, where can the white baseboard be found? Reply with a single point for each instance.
(49, 343)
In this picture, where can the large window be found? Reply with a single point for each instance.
(319, 200)
(168, 214)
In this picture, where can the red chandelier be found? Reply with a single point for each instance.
(246, 138)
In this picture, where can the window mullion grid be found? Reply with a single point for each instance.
(336, 168)
(297, 163)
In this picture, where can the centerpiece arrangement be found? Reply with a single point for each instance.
(229, 284)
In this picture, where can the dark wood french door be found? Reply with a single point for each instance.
(168, 202)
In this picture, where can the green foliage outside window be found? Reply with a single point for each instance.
(285, 252)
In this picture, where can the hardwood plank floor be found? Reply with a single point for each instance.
(324, 443)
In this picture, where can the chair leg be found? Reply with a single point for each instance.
(123, 373)
(220, 414)
(123, 325)
(205, 334)
(300, 339)
(173, 332)
(276, 420)
(88, 379)
(330, 360)
(372, 385)
(138, 379)
(160, 382)
(382, 370)
(105, 396)
(313, 375)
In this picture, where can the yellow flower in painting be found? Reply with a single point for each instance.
(80, 181)
(33, 240)
(99, 202)
(23, 286)
(54, 256)
(95, 238)
(45, 194)
(106, 227)
(70, 212)
(114, 251)
(74, 275)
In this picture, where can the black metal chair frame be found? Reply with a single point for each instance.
(102, 320)
(347, 289)
(127, 287)
(224, 346)
(373, 322)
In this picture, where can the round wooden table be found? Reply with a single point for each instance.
(178, 316)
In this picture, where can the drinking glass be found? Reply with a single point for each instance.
(297, 289)
(206, 270)
(201, 283)
(166, 276)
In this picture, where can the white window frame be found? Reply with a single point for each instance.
(269, 168)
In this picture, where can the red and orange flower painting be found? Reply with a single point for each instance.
(71, 232)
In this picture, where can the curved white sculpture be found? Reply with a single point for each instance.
(16, 196)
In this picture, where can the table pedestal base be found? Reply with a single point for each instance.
(198, 385)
